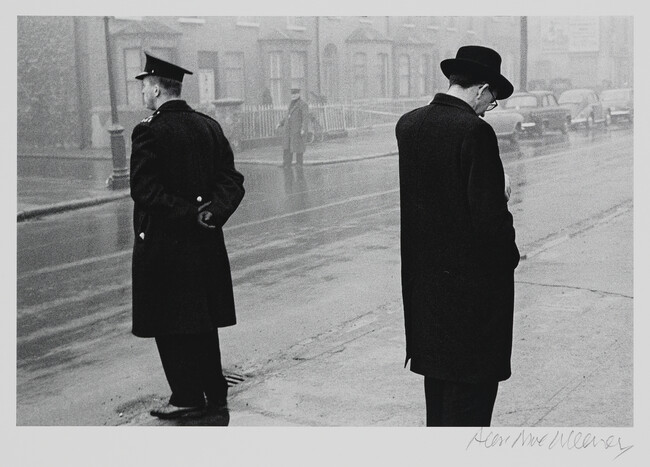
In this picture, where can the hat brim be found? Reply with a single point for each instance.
(142, 75)
(499, 83)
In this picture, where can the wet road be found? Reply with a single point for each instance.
(310, 249)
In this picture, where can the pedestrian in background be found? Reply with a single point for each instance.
(185, 187)
(457, 243)
(295, 128)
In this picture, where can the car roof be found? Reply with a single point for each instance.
(523, 93)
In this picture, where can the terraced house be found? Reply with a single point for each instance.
(243, 63)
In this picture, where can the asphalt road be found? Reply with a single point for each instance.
(310, 249)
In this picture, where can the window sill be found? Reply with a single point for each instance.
(191, 20)
(248, 25)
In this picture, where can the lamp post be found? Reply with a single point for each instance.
(523, 64)
(120, 176)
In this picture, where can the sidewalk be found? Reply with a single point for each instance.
(61, 180)
(572, 354)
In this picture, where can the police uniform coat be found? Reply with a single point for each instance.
(297, 119)
(181, 274)
(457, 244)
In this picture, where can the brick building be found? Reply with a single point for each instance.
(63, 93)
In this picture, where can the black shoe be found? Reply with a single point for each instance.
(217, 405)
(169, 411)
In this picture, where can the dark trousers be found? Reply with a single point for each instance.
(459, 404)
(288, 157)
(192, 364)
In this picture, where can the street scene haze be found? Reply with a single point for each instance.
(314, 246)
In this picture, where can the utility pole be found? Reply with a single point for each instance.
(120, 176)
(523, 64)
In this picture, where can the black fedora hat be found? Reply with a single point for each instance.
(158, 67)
(482, 63)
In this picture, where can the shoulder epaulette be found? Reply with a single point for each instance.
(150, 117)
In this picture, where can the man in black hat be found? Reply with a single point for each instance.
(185, 187)
(295, 128)
(457, 243)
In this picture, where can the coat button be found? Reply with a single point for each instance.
(142, 235)
(199, 199)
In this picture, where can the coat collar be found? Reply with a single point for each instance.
(174, 105)
(445, 99)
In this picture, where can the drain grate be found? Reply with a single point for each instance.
(233, 379)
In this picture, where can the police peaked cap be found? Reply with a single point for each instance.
(158, 67)
(481, 62)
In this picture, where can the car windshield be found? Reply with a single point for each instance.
(517, 102)
(572, 97)
(614, 95)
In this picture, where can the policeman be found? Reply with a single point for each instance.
(295, 125)
(185, 187)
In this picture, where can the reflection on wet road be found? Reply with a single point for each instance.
(296, 227)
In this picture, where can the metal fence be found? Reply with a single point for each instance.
(261, 121)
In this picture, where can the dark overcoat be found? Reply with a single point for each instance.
(457, 244)
(181, 274)
(297, 119)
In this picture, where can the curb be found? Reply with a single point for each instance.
(87, 202)
(69, 205)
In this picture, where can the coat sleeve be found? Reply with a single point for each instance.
(228, 183)
(147, 187)
(493, 232)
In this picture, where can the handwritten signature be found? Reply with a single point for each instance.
(551, 440)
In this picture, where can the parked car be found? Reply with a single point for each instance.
(507, 125)
(586, 109)
(540, 111)
(619, 103)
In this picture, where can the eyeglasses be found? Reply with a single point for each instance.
(494, 102)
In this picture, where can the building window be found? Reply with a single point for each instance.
(360, 78)
(234, 75)
(471, 25)
(207, 75)
(423, 67)
(133, 66)
(330, 72)
(206, 86)
(409, 22)
(435, 72)
(404, 76)
(298, 70)
(382, 74)
(275, 76)
(295, 23)
(434, 22)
